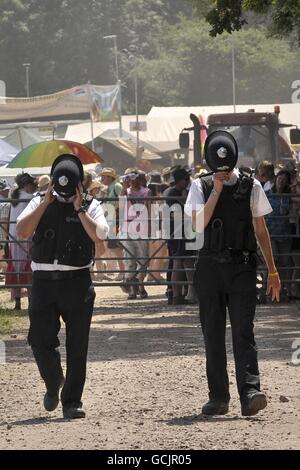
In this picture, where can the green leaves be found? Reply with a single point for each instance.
(178, 62)
(231, 15)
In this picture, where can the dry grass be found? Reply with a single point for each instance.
(11, 321)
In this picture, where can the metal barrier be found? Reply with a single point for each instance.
(155, 275)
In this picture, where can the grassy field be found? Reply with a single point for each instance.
(11, 321)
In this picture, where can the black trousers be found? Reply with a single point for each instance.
(73, 300)
(233, 286)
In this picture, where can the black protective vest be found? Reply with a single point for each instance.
(61, 236)
(231, 226)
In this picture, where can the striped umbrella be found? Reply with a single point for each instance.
(43, 154)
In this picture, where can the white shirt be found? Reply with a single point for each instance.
(268, 185)
(95, 212)
(259, 203)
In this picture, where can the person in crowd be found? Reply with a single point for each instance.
(265, 173)
(43, 183)
(135, 233)
(18, 268)
(97, 190)
(280, 229)
(143, 178)
(157, 248)
(4, 222)
(295, 250)
(167, 178)
(183, 261)
(114, 188)
(65, 224)
(87, 179)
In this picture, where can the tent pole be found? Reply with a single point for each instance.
(91, 116)
(20, 138)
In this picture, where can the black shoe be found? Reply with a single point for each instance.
(253, 403)
(143, 293)
(51, 401)
(73, 412)
(180, 300)
(214, 407)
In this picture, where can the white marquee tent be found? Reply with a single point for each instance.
(165, 124)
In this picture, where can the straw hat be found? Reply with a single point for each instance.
(95, 184)
(44, 181)
(109, 172)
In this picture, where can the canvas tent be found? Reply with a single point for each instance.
(7, 152)
(169, 121)
(82, 132)
(22, 138)
(121, 152)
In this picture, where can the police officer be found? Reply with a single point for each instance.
(228, 209)
(65, 224)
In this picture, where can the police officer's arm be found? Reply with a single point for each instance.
(202, 218)
(264, 241)
(89, 225)
(27, 225)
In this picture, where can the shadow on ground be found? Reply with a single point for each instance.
(151, 329)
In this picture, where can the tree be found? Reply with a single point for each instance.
(282, 16)
(178, 62)
(192, 68)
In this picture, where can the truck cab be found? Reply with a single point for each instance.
(259, 136)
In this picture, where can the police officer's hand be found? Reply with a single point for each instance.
(274, 286)
(219, 179)
(49, 197)
(78, 198)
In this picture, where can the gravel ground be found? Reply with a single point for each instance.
(146, 384)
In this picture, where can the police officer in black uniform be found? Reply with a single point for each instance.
(65, 224)
(228, 209)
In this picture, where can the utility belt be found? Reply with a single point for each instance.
(231, 256)
(61, 275)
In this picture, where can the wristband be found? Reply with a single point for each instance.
(81, 210)
(273, 274)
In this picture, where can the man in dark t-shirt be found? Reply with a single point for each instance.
(180, 257)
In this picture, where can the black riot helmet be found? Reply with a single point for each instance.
(221, 151)
(67, 173)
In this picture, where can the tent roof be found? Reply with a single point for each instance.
(147, 152)
(164, 124)
(82, 132)
(22, 138)
(171, 120)
(7, 152)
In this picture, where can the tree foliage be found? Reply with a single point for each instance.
(178, 62)
(283, 16)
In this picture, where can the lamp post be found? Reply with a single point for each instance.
(114, 38)
(233, 78)
(132, 55)
(27, 68)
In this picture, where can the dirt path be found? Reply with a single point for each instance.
(146, 384)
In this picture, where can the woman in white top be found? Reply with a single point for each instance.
(18, 268)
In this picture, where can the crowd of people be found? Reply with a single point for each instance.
(282, 187)
(141, 247)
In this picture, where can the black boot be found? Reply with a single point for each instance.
(215, 407)
(73, 411)
(253, 403)
(51, 400)
(18, 303)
